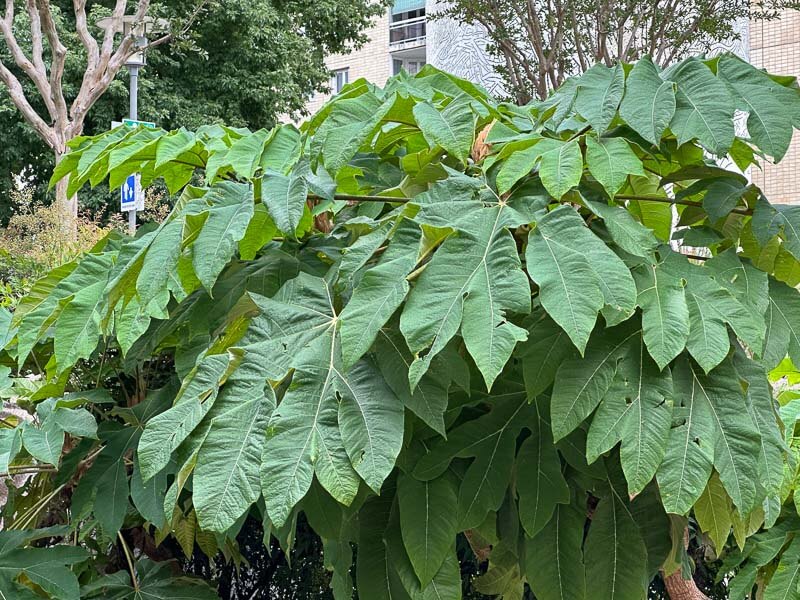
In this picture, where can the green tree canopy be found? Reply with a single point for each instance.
(427, 317)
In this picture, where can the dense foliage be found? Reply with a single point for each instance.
(422, 321)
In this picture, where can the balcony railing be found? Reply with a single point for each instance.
(407, 32)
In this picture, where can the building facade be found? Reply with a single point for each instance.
(406, 38)
(397, 40)
(775, 46)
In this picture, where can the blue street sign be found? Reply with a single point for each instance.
(129, 193)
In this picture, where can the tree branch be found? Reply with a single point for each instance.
(87, 39)
(17, 95)
(96, 80)
(740, 211)
(39, 78)
(59, 54)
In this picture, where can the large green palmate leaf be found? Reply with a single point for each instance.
(628, 233)
(581, 383)
(10, 445)
(236, 439)
(78, 325)
(148, 497)
(45, 567)
(615, 553)
(769, 221)
(665, 314)
(335, 424)
(747, 283)
(540, 483)
(107, 481)
(350, 123)
(378, 295)
(44, 443)
(783, 325)
(158, 265)
(610, 161)
(554, 556)
(156, 582)
(560, 165)
(637, 411)
(428, 523)
(769, 126)
(5, 327)
(715, 429)
(452, 128)
(229, 210)
(429, 399)
(446, 583)
(786, 578)
(577, 274)
(165, 432)
(491, 440)
(49, 297)
(703, 108)
(713, 512)
(649, 102)
(722, 196)
(376, 576)
(474, 282)
(711, 308)
(761, 406)
(546, 348)
(599, 92)
(285, 197)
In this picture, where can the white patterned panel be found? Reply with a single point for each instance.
(461, 50)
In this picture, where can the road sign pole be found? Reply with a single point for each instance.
(134, 114)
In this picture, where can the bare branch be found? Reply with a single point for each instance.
(17, 95)
(39, 78)
(37, 47)
(58, 54)
(96, 80)
(87, 39)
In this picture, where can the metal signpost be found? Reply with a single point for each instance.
(131, 195)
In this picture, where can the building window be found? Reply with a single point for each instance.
(411, 66)
(407, 26)
(339, 79)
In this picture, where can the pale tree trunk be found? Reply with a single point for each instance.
(68, 206)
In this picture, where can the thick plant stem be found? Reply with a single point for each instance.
(641, 198)
(679, 588)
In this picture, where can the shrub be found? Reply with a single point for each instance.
(433, 352)
(36, 241)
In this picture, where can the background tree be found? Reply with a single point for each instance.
(242, 62)
(539, 43)
(32, 37)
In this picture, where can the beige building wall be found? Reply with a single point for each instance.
(775, 46)
(372, 61)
